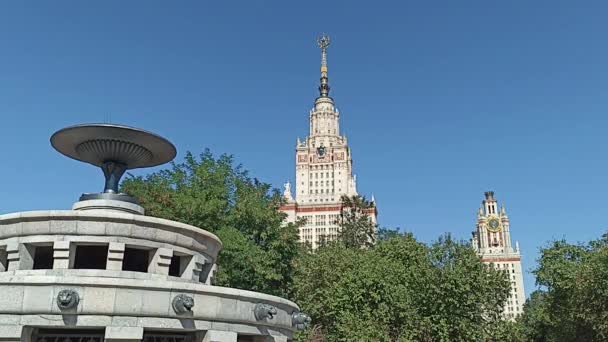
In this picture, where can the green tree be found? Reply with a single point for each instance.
(259, 252)
(401, 290)
(535, 322)
(356, 228)
(572, 303)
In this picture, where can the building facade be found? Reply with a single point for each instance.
(492, 240)
(324, 169)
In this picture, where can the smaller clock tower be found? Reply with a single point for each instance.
(492, 241)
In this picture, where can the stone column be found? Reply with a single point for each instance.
(116, 253)
(270, 338)
(220, 336)
(12, 333)
(18, 256)
(3, 260)
(277, 339)
(161, 260)
(124, 334)
(194, 269)
(209, 277)
(61, 255)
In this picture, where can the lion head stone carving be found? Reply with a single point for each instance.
(300, 320)
(67, 299)
(263, 311)
(183, 303)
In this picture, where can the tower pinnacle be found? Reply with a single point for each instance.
(323, 43)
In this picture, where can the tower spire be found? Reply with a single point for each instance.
(323, 42)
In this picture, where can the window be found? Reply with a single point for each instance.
(136, 260)
(43, 257)
(93, 257)
(170, 336)
(58, 334)
(178, 264)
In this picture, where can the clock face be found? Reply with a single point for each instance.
(494, 224)
(321, 151)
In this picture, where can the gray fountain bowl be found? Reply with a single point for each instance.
(97, 144)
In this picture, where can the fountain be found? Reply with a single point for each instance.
(104, 271)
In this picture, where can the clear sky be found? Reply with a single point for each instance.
(441, 101)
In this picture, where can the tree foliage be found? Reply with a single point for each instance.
(572, 304)
(395, 288)
(401, 290)
(356, 227)
(216, 195)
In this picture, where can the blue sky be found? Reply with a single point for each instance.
(440, 101)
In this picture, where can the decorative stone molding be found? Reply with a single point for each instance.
(124, 334)
(182, 303)
(13, 255)
(111, 224)
(264, 311)
(300, 320)
(67, 299)
(116, 254)
(61, 255)
(161, 261)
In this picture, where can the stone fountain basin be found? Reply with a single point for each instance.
(29, 299)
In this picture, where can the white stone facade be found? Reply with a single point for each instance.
(492, 240)
(324, 171)
(122, 296)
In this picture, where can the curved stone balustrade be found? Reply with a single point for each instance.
(110, 224)
(111, 301)
(65, 230)
(115, 296)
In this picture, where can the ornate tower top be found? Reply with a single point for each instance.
(489, 195)
(323, 43)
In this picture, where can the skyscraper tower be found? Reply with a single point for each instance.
(324, 167)
(492, 241)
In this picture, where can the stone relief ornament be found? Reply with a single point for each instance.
(264, 311)
(67, 299)
(182, 303)
(287, 193)
(300, 320)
